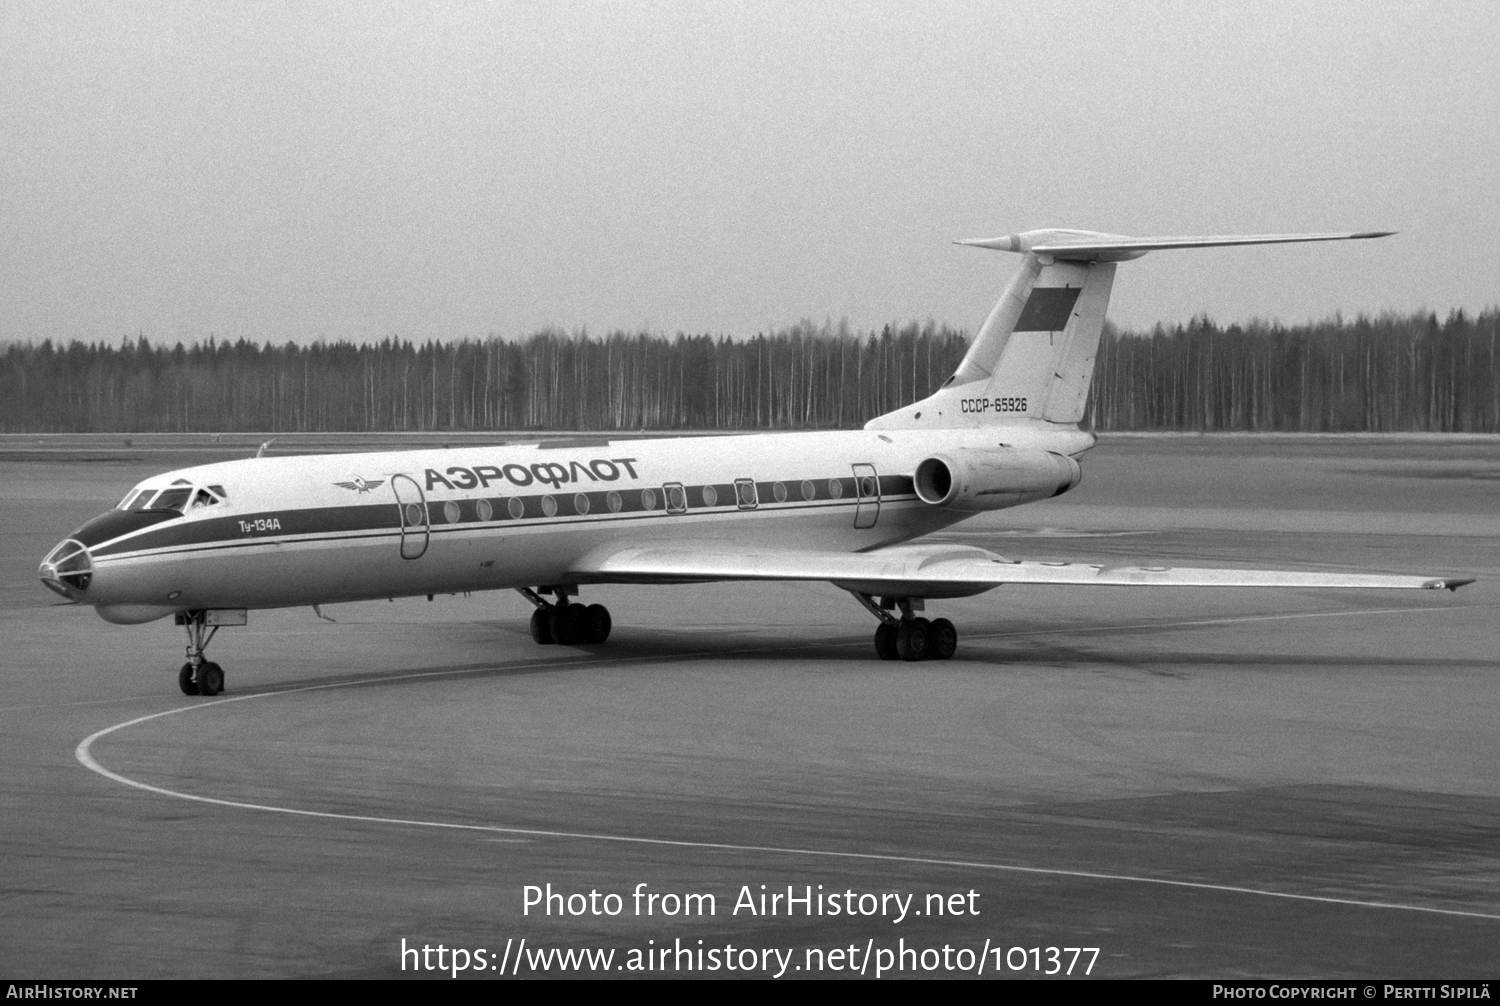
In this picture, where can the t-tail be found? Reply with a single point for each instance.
(1033, 358)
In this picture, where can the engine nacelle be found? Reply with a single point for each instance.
(974, 480)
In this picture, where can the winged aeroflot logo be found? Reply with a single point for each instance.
(359, 485)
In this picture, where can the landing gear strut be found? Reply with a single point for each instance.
(565, 622)
(199, 676)
(910, 637)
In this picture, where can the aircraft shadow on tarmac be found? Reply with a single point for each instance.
(628, 649)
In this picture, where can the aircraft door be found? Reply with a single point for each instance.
(866, 495)
(412, 507)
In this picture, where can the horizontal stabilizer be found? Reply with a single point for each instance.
(1089, 246)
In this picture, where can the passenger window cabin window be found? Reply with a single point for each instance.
(745, 496)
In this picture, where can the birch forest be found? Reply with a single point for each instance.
(1392, 373)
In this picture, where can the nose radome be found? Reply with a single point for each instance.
(67, 569)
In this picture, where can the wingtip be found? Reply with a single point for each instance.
(1009, 242)
(1448, 583)
(1362, 235)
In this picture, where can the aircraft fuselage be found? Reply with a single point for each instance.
(320, 529)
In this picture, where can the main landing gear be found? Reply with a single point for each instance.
(199, 676)
(909, 637)
(565, 622)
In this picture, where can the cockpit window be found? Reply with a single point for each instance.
(172, 499)
(136, 500)
(180, 497)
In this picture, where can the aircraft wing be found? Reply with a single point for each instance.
(939, 570)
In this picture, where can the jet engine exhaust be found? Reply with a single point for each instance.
(972, 480)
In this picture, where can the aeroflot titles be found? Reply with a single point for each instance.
(552, 473)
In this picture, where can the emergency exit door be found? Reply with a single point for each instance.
(866, 495)
(413, 509)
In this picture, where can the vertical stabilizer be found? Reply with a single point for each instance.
(1032, 359)
(1043, 355)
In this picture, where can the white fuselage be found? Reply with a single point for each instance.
(346, 527)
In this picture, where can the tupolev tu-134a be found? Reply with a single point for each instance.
(208, 543)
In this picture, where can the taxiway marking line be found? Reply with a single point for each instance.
(85, 757)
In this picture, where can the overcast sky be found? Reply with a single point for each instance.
(296, 171)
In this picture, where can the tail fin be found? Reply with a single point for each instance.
(1033, 358)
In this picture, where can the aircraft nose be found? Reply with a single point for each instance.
(68, 569)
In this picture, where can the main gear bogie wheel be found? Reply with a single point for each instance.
(942, 639)
(596, 623)
(568, 625)
(911, 639)
(885, 641)
(541, 627)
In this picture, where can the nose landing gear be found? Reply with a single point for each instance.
(206, 679)
(909, 637)
(199, 676)
(566, 623)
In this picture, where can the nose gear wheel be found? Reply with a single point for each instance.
(210, 678)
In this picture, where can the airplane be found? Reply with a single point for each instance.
(209, 543)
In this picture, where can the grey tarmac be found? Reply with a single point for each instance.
(1201, 783)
